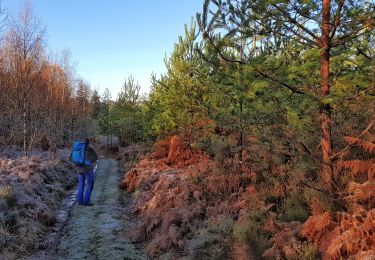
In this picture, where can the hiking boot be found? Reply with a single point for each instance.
(89, 204)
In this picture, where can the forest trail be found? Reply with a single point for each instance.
(98, 232)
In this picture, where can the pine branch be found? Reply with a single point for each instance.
(294, 21)
(221, 54)
(364, 54)
(337, 18)
(291, 88)
(350, 36)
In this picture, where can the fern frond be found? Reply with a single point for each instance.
(351, 234)
(361, 192)
(365, 145)
(357, 167)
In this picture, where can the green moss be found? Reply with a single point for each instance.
(6, 193)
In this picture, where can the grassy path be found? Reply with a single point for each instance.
(97, 232)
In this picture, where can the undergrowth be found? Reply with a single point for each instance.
(210, 206)
(30, 191)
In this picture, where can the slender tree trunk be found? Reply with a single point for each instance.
(242, 100)
(241, 131)
(24, 132)
(24, 126)
(325, 111)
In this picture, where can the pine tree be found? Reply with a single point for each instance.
(324, 25)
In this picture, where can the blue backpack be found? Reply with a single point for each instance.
(78, 154)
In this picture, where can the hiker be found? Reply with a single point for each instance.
(84, 158)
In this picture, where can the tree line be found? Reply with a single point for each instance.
(41, 98)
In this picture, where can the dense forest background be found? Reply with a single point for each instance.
(279, 94)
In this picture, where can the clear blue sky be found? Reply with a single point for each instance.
(112, 39)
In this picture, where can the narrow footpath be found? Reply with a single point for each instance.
(97, 232)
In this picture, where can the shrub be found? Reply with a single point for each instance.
(250, 230)
(220, 147)
(295, 207)
(213, 242)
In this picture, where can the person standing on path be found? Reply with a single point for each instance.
(85, 174)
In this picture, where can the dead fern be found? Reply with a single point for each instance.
(350, 234)
(357, 167)
(367, 146)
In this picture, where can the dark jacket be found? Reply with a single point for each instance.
(91, 155)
